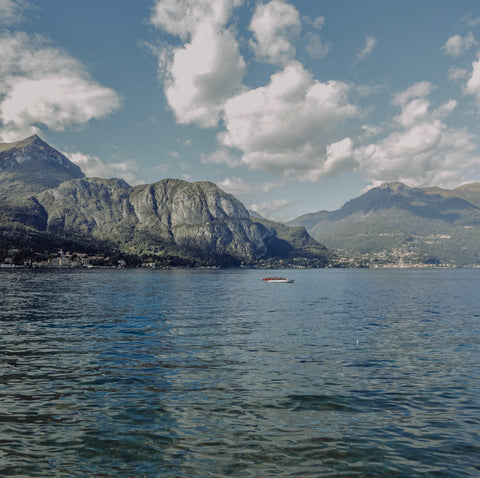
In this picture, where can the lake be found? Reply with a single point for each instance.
(211, 373)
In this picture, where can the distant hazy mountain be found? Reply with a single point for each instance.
(396, 223)
(44, 197)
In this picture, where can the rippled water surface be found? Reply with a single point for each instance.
(215, 373)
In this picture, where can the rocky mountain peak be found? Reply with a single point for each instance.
(30, 140)
(394, 186)
(35, 149)
(34, 165)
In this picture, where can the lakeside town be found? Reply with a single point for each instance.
(60, 260)
(82, 260)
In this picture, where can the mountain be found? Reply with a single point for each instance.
(470, 192)
(145, 219)
(45, 199)
(294, 243)
(32, 166)
(394, 223)
(27, 168)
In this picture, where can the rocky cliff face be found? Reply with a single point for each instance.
(44, 195)
(192, 215)
(85, 205)
(198, 215)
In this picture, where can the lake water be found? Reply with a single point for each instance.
(211, 373)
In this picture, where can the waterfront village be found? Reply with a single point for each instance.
(76, 260)
(60, 259)
(17, 258)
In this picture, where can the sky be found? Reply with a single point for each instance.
(292, 106)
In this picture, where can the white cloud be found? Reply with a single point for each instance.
(236, 186)
(182, 18)
(371, 89)
(413, 112)
(445, 109)
(267, 209)
(471, 21)
(419, 90)
(295, 126)
(43, 85)
(316, 47)
(221, 156)
(285, 127)
(339, 159)
(316, 22)
(457, 45)
(274, 26)
(422, 150)
(456, 74)
(473, 84)
(240, 187)
(367, 48)
(200, 75)
(11, 12)
(93, 166)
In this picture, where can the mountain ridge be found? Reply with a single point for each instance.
(44, 197)
(397, 223)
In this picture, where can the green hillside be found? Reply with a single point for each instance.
(396, 224)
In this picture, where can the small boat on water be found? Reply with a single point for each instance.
(277, 280)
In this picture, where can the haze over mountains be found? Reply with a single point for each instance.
(396, 224)
(46, 201)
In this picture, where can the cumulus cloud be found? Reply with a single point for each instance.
(274, 25)
(295, 125)
(93, 166)
(415, 111)
(473, 84)
(421, 150)
(41, 85)
(367, 48)
(201, 74)
(11, 12)
(182, 18)
(339, 158)
(286, 126)
(457, 45)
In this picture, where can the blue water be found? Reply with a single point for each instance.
(352, 373)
